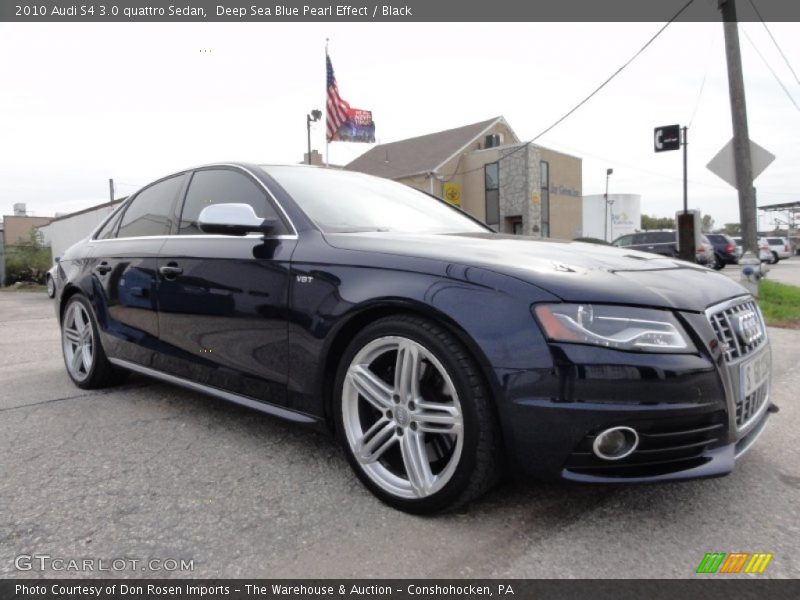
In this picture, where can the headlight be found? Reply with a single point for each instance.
(619, 327)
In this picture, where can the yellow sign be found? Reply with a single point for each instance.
(535, 198)
(452, 193)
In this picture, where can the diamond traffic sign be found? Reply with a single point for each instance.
(722, 164)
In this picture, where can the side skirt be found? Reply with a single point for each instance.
(270, 409)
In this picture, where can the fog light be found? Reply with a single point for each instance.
(615, 443)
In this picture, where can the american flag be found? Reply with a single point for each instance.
(337, 108)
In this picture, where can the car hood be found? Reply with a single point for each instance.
(573, 271)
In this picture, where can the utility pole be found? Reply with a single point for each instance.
(741, 137)
(111, 189)
(686, 226)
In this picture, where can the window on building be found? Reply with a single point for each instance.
(492, 188)
(150, 211)
(216, 186)
(544, 171)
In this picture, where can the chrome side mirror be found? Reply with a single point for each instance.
(233, 219)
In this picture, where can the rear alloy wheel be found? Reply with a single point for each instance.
(86, 362)
(51, 287)
(414, 418)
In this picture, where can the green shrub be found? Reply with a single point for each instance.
(28, 261)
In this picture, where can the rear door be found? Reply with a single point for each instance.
(123, 262)
(223, 300)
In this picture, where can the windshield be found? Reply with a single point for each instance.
(346, 201)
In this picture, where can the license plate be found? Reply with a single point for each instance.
(755, 373)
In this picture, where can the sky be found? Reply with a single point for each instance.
(82, 103)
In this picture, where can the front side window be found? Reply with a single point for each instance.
(221, 186)
(150, 211)
(492, 186)
(625, 240)
(341, 201)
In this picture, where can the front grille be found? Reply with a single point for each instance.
(665, 446)
(748, 408)
(724, 324)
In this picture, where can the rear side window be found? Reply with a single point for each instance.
(150, 211)
(109, 230)
(219, 186)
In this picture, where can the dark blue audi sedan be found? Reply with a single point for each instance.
(440, 353)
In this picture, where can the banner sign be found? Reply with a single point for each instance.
(357, 127)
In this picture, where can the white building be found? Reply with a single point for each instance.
(603, 220)
(66, 230)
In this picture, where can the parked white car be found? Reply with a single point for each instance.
(779, 248)
(764, 254)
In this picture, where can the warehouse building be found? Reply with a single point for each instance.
(65, 230)
(487, 171)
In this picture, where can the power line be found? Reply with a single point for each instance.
(702, 87)
(771, 70)
(774, 41)
(585, 100)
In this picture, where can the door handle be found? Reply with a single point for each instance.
(103, 268)
(170, 270)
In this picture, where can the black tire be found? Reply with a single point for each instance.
(101, 373)
(480, 463)
(718, 263)
(51, 286)
(775, 258)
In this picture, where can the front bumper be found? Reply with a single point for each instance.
(687, 410)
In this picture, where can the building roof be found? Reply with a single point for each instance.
(422, 154)
(90, 209)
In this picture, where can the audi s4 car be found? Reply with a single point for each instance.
(439, 353)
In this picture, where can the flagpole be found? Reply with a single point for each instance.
(326, 102)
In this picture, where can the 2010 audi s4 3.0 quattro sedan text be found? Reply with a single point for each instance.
(440, 353)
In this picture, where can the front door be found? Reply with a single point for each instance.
(223, 300)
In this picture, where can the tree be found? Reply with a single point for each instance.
(28, 260)
(708, 223)
(732, 229)
(652, 222)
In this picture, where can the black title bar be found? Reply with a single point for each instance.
(401, 11)
(707, 587)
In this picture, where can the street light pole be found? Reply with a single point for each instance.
(605, 224)
(314, 116)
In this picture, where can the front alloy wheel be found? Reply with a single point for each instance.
(409, 420)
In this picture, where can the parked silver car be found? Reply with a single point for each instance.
(704, 253)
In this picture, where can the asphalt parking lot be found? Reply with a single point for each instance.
(148, 471)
